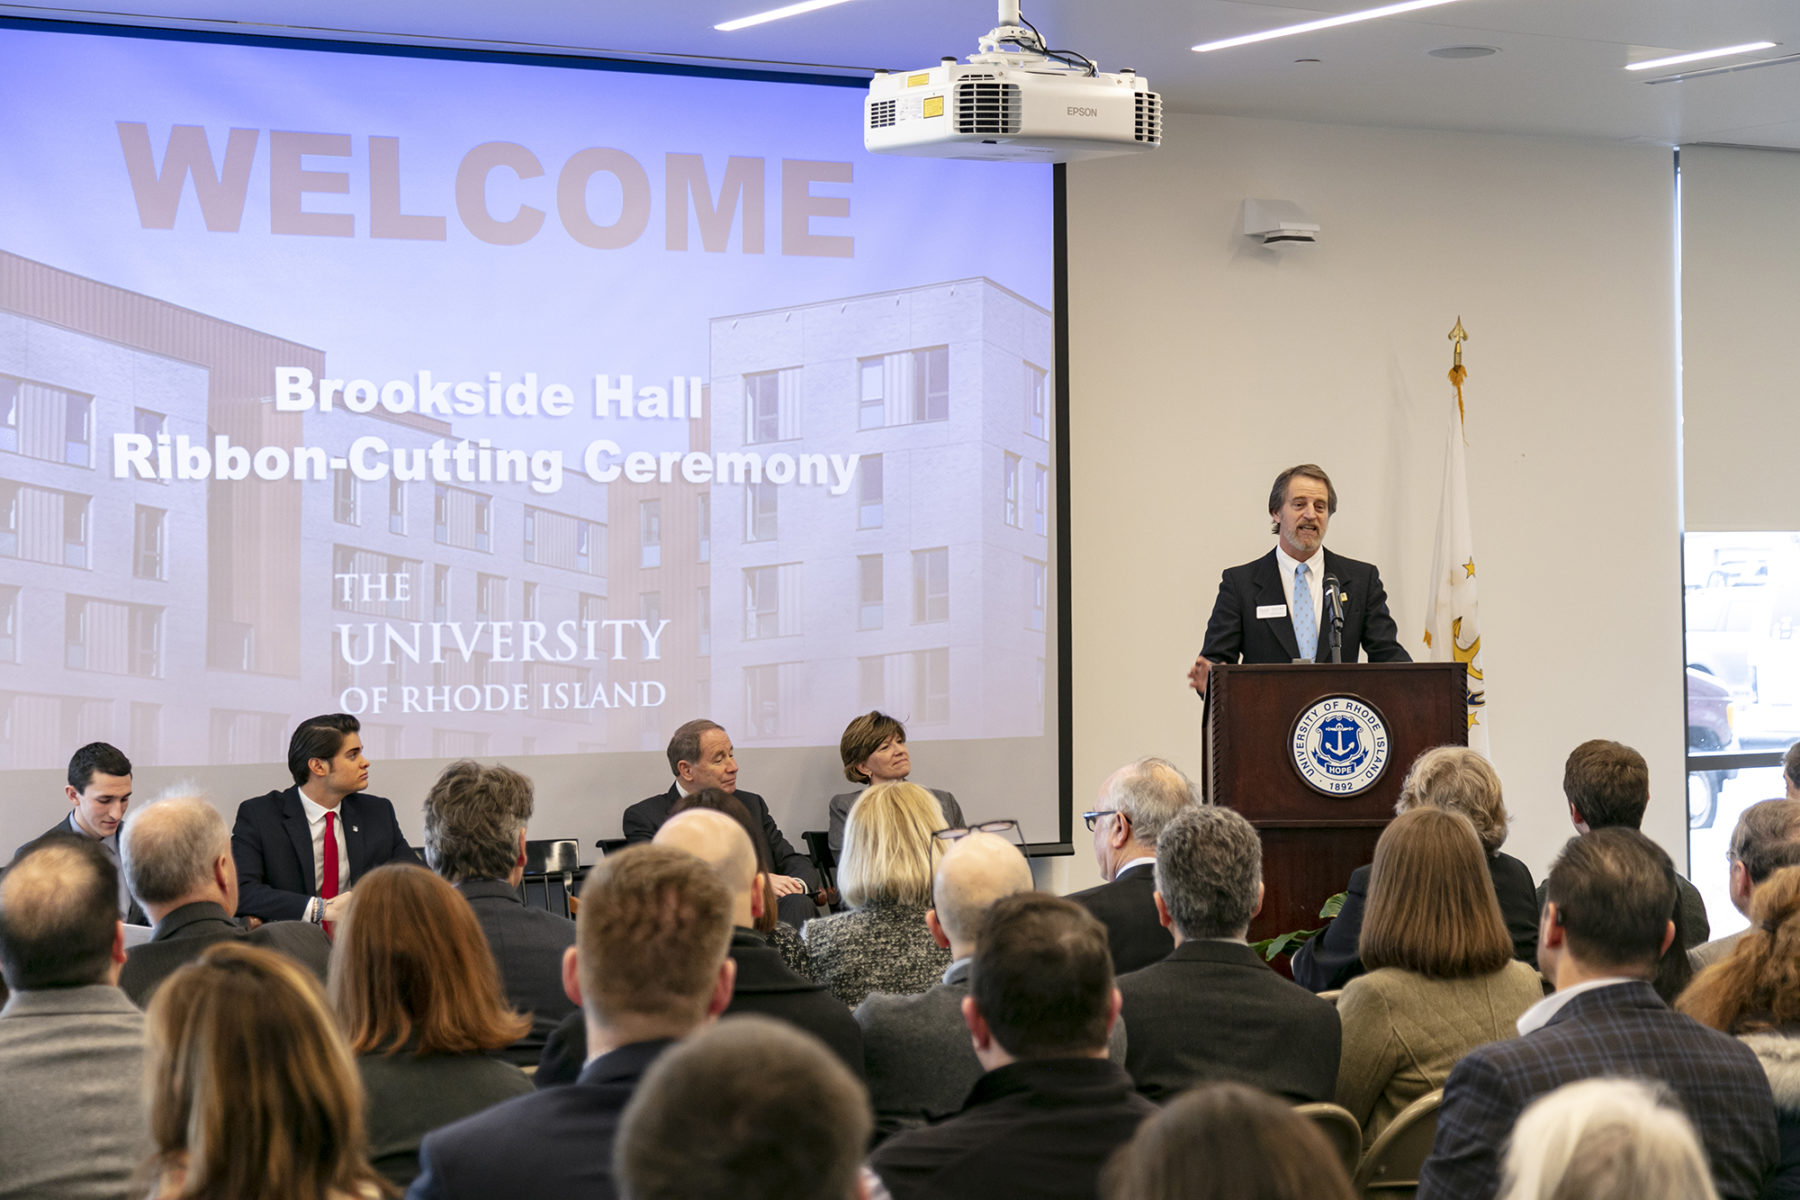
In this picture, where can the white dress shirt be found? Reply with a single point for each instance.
(315, 821)
(1315, 580)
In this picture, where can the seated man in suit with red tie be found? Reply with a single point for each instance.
(278, 843)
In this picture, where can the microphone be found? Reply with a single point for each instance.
(1334, 612)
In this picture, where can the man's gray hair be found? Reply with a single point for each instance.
(1208, 869)
(1151, 791)
(1767, 838)
(473, 817)
(169, 846)
(750, 1108)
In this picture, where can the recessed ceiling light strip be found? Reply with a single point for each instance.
(1367, 14)
(1784, 61)
(776, 14)
(1673, 60)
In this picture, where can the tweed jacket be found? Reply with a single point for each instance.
(917, 1056)
(72, 1123)
(1404, 1031)
(880, 947)
(1622, 1029)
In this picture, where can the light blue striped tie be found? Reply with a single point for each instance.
(1306, 621)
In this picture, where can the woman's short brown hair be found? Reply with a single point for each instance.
(1432, 907)
(863, 737)
(251, 1090)
(1461, 780)
(1756, 987)
(1226, 1141)
(412, 969)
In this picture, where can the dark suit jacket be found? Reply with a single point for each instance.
(1126, 907)
(528, 945)
(183, 935)
(1331, 960)
(406, 1097)
(1618, 1030)
(765, 986)
(555, 1144)
(1053, 1122)
(1235, 633)
(133, 915)
(644, 818)
(1215, 1011)
(272, 847)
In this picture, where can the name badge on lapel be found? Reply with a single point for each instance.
(1266, 611)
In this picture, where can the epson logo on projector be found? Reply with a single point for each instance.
(1077, 111)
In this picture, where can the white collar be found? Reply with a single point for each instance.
(1146, 860)
(1287, 562)
(1539, 1014)
(315, 813)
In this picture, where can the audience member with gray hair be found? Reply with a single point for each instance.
(177, 853)
(750, 1109)
(1767, 838)
(72, 1123)
(916, 1052)
(1605, 1139)
(475, 819)
(1213, 1009)
(1135, 804)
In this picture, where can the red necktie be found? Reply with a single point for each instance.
(328, 886)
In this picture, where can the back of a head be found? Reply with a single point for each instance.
(1767, 838)
(976, 871)
(653, 930)
(473, 817)
(749, 1109)
(169, 847)
(1605, 1139)
(1209, 871)
(717, 840)
(59, 913)
(889, 853)
(1151, 791)
(1461, 780)
(1614, 891)
(1042, 977)
(1608, 783)
(411, 969)
(1432, 907)
(1756, 986)
(1226, 1141)
(252, 1093)
(731, 806)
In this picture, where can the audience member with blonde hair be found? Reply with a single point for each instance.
(252, 1092)
(1461, 780)
(882, 944)
(1226, 1141)
(1441, 977)
(874, 751)
(1605, 1139)
(1754, 992)
(419, 998)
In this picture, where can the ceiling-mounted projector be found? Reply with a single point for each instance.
(1015, 100)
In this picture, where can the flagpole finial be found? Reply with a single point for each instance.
(1458, 336)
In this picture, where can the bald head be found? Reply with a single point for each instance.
(976, 871)
(720, 842)
(59, 916)
(173, 848)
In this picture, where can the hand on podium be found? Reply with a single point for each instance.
(1199, 673)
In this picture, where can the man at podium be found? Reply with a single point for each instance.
(1274, 610)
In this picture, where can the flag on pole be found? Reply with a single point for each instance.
(1452, 615)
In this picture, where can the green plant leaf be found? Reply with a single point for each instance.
(1334, 905)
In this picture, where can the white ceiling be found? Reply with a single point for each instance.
(1559, 69)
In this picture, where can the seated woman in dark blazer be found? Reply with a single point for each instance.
(874, 751)
(1461, 780)
(417, 994)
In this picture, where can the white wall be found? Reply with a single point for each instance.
(1200, 365)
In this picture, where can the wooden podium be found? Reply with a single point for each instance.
(1315, 832)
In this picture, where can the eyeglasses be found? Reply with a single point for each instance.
(1093, 818)
(1006, 829)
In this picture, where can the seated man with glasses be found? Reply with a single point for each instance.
(1134, 805)
(917, 1056)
